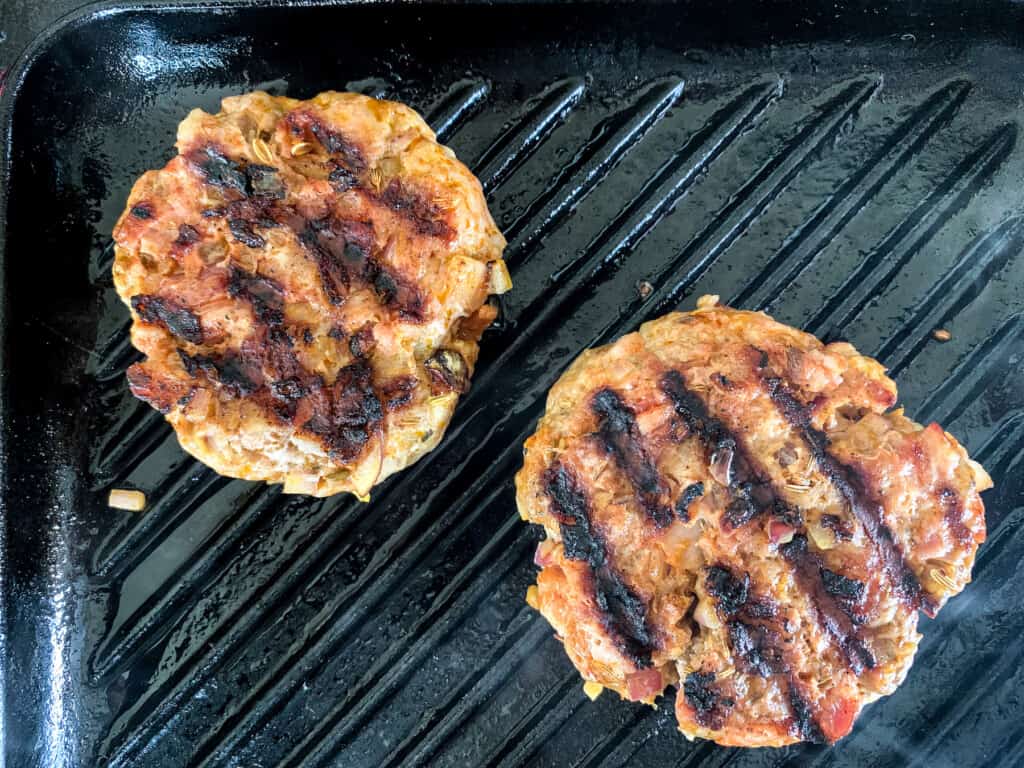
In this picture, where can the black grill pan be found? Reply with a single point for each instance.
(854, 168)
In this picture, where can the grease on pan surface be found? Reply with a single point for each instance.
(308, 281)
(733, 508)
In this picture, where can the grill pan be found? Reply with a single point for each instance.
(853, 168)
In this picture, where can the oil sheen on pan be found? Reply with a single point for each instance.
(308, 281)
(736, 509)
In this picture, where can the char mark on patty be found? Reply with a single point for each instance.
(729, 591)
(424, 215)
(758, 643)
(309, 127)
(264, 295)
(341, 178)
(344, 251)
(161, 392)
(755, 642)
(237, 177)
(227, 370)
(710, 707)
(953, 512)
(173, 316)
(619, 436)
(344, 254)
(343, 416)
(397, 392)
(219, 170)
(348, 413)
(143, 210)
(839, 527)
(362, 343)
(853, 487)
(833, 598)
(187, 235)
(752, 493)
(623, 612)
(804, 724)
(448, 372)
(242, 231)
(689, 495)
(842, 586)
(263, 181)
(756, 647)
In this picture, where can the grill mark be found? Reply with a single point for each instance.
(425, 216)
(833, 596)
(343, 416)
(852, 487)
(730, 593)
(171, 315)
(263, 181)
(623, 612)
(264, 295)
(833, 612)
(953, 512)
(308, 126)
(842, 586)
(362, 342)
(342, 179)
(805, 724)
(619, 437)
(242, 231)
(352, 413)
(757, 644)
(339, 248)
(236, 176)
(342, 250)
(756, 648)
(344, 253)
(710, 707)
(159, 391)
(217, 169)
(752, 493)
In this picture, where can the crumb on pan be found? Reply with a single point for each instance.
(130, 500)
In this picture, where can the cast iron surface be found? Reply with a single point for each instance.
(22, 20)
(855, 170)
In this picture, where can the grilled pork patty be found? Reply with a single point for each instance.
(731, 508)
(308, 281)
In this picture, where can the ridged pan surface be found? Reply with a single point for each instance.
(854, 170)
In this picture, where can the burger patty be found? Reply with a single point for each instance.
(731, 507)
(308, 281)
